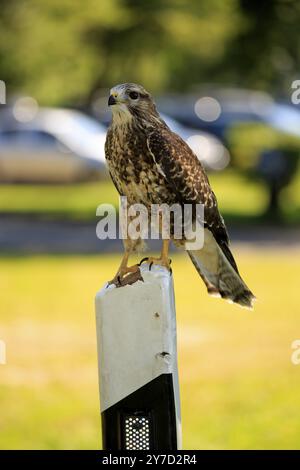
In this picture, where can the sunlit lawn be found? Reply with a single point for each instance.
(239, 388)
(79, 201)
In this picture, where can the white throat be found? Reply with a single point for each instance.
(121, 114)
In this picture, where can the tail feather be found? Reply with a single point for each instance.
(220, 275)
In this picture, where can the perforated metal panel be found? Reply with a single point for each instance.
(137, 432)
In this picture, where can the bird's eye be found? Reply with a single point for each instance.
(133, 95)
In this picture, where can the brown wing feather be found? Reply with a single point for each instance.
(188, 179)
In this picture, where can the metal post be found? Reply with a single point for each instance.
(137, 357)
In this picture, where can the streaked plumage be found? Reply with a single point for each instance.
(150, 164)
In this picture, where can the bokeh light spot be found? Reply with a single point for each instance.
(208, 109)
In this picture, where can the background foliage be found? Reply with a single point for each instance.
(62, 51)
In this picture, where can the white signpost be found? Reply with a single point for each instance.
(137, 357)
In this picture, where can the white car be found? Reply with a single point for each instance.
(55, 146)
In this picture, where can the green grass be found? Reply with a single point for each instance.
(80, 201)
(240, 199)
(239, 389)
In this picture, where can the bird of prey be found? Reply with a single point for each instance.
(150, 164)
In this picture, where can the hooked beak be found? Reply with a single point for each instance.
(111, 100)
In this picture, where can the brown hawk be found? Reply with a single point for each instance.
(150, 164)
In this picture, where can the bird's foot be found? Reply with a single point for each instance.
(127, 275)
(164, 262)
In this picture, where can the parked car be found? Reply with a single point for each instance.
(217, 110)
(55, 146)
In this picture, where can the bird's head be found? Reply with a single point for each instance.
(128, 101)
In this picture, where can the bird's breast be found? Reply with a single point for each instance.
(134, 171)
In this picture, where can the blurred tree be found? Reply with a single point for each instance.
(41, 47)
(166, 45)
(265, 52)
(63, 51)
